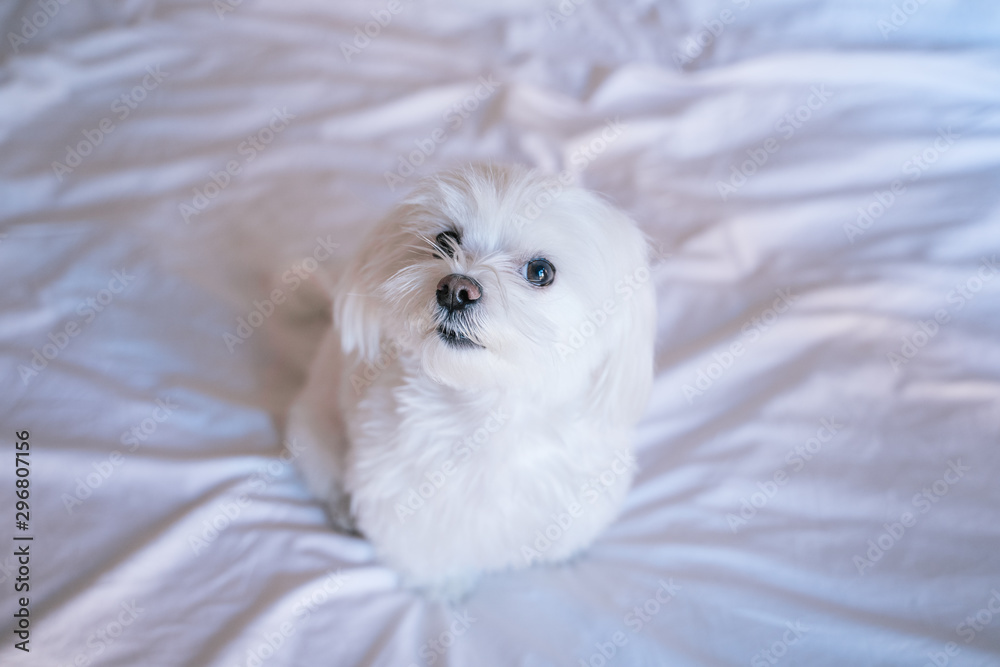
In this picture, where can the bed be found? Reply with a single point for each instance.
(818, 462)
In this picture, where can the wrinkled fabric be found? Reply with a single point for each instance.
(818, 462)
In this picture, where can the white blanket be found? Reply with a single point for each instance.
(818, 461)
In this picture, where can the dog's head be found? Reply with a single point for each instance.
(496, 276)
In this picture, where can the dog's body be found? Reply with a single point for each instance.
(471, 411)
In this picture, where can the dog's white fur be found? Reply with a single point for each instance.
(456, 461)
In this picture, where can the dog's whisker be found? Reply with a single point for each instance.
(433, 244)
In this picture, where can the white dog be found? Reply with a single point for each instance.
(471, 410)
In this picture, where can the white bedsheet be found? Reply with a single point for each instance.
(819, 459)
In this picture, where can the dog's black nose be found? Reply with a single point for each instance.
(456, 292)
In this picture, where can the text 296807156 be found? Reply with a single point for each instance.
(22, 540)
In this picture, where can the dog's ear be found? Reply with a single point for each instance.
(357, 307)
(356, 316)
(625, 376)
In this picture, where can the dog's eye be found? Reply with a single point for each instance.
(539, 272)
(447, 242)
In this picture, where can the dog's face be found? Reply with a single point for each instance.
(497, 277)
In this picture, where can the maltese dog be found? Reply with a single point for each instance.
(471, 409)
